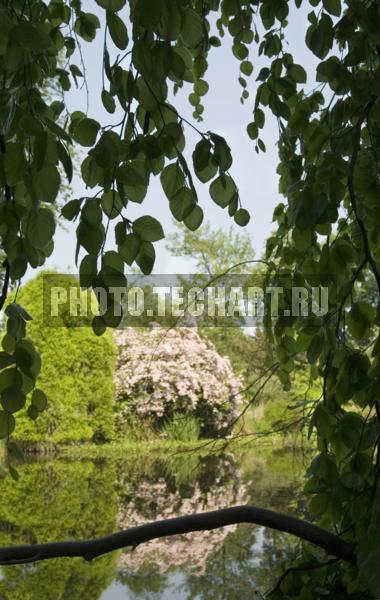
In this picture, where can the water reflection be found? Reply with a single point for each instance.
(61, 499)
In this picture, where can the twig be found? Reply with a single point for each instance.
(297, 570)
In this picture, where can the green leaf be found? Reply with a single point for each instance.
(242, 217)
(5, 360)
(108, 102)
(215, 41)
(120, 232)
(246, 67)
(32, 412)
(24, 356)
(222, 190)
(113, 260)
(148, 228)
(8, 343)
(7, 424)
(71, 210)
(98, 325)
(201, 87)
(297, 73)
(113, 5)
(40, 227)
(86, 25)
(319, 38)
(201, 155)
(39, 400)
(107, 150)
(15, 164)
(113, 315)
(222, 153)
(169, 25)
(192, 31)
(118, 30)
(30, 125)
(263, 74)
(112, 204)
(13, 399)
(233, 206)
(172, 179)
(252, 130)
(32, 38)
(194, 220)
(259, 118)
(47, 183)
(207, 173)
(134, 179)
(88, 271)
(86, 131)
(130, 248)
(65, 160)
(57, 130)
(91, 238)
(146, 257)
(91, 212)
(334, 7)
(182, 203)
(315, 348)
(322, 421)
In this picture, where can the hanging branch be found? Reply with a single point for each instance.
(4, 291)
(350, 184)
(8, 197)
(135, 536)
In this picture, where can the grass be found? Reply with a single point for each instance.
(260, 443)
(182, 428)
(115, 449)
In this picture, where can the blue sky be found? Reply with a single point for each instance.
(224, 114)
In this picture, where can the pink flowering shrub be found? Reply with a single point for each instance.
(162, 372)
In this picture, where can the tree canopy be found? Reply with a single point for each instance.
(327, 226)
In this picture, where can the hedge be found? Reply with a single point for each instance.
(77, 370)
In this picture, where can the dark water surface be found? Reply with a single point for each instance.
(74, 499)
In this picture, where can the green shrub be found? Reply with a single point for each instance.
(77, 370)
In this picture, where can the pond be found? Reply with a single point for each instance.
(64, 498)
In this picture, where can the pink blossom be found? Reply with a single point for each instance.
(161, 372)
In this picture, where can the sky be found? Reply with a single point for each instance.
(255, 174)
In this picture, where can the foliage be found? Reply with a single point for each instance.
(329, 177)
(77, 369)
(121, 158)
(286, 412)
(248, 353)
(162, 372)
(213, 250)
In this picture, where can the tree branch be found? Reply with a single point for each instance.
(134, 536)
(4, 291)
